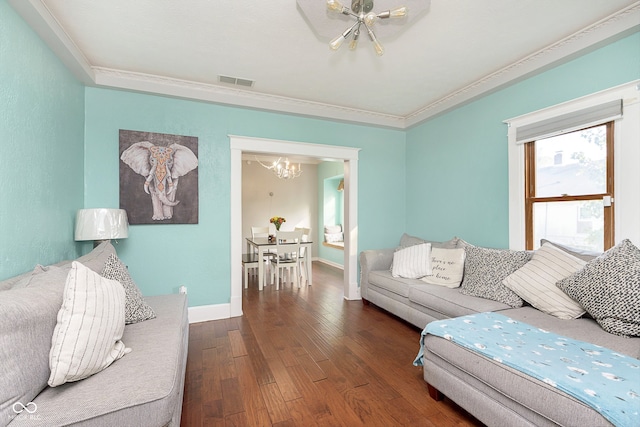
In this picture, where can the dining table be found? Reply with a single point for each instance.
(265, 244)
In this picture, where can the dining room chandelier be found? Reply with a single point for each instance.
(365, 18)
(283, 169)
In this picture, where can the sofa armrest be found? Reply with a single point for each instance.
(371, 260)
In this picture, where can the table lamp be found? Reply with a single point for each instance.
(101, 224)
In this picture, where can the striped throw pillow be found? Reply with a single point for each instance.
(535, 282)
(413, 262)
(87, 337)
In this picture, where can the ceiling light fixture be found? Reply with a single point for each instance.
(361, 10)
(283, 170)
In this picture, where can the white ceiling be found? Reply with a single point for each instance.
(450, 54)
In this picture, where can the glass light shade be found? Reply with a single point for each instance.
(370, 19)
(376, 44)
(378, 48)
(101, 224)
(399, 12)
(334, 5)
(337, 42)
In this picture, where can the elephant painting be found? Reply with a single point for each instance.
(161, 166)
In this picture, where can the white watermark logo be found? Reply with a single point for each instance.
(21, 410)
(30, 407)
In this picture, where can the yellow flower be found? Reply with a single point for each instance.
(277, 221)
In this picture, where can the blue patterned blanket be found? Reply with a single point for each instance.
(607, 381)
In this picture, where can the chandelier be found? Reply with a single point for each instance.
(283, 169)
(365, 19)
(329, 18)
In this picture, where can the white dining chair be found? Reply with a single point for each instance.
(259, 232)
(302, 256)
(250, 260)
(287, 248)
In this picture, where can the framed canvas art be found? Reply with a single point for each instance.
(158, 177)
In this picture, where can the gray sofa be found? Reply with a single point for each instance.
(494, 393)
(143, 388)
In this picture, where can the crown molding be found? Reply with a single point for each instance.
(238, 97)
(615, 26)
(38, 16)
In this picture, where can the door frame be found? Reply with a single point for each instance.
(349, 155)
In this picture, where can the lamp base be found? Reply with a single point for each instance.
(97, 243)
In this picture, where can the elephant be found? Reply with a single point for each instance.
(161, 167)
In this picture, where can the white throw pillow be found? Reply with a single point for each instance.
(413, 262)
(447, 267)
(535, 282)
(87, 337)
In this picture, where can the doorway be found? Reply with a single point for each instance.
(349, 155)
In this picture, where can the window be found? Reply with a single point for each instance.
(591, 110)
(569, 189)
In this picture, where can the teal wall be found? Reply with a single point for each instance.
(457, 167)
(41, 150)
(60, 153)
(329, 176)
(162, 257)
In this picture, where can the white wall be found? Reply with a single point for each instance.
(295, 199)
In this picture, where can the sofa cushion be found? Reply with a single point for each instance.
(584, 329)
(535, 282)
(447, 267)
(459, 372)
(608, 287)
(412, 262)
(576, 252)
(485, 269)
(27, 321)
(136, 309)
(442, 302)
(97, 258)
(43, 276)
(407, 240)
(88, 334)
(159, 350)
(11, 282)
(397, 285)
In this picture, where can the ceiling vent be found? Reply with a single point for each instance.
(235, 81)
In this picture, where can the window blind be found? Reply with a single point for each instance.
(569, 122)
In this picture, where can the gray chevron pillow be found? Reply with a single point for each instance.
(608, 287)
(485, 269)
(136, 308)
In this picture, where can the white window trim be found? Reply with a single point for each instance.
(626, 158)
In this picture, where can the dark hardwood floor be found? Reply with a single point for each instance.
(307, 357)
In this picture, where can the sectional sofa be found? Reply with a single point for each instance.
(79, 345)
(492, 391)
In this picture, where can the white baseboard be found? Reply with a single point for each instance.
(331, 263)
(204, 313)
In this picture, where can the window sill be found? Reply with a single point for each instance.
(335, 245)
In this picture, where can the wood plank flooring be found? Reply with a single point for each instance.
(307, 357)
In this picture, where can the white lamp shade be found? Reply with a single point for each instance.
(101, 224)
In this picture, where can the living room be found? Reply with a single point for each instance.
(60, 154)
(84, 134)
